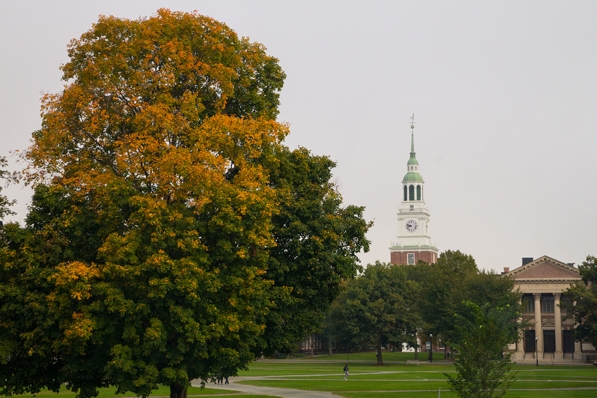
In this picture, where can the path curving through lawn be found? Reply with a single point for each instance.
(272, 391)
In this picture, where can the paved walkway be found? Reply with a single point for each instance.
(273, 391)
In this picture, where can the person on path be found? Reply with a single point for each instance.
(346, 372)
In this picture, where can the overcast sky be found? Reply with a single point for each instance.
(504, 95)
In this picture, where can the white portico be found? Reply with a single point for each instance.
(548, 338)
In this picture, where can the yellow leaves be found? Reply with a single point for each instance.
(242, 253)
(80, 327)
(76, 277)
(241, 139)
(158, 77)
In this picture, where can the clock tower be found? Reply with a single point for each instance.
(414, 243)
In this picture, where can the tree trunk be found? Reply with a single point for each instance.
(330, 346)
(178, 391)
(379, 358)
(416, 353)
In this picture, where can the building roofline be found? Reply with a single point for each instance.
(548, 260)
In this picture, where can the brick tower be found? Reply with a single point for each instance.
(414, 242)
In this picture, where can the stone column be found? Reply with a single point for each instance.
(558, 322)
(520, 344)
(578, 356)
(577, 351)
(538, 326)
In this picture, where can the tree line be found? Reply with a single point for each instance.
(473, 313)
(393, 305)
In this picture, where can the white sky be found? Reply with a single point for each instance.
(504, 95)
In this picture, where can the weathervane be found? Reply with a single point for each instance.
(412, 121)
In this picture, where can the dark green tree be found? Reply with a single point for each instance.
(483, 370)
(443, 292)
(581, 302)
(453, 280)
(317, 241)
(420, 274)
(376, 308)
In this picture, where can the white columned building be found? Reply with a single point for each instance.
(548, 337)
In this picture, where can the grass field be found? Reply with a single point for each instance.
(366, 379)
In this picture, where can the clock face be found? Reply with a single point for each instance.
(411, 225)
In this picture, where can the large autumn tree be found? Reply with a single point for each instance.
(171, 234)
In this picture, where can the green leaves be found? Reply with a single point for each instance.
(316, 246)
(376, 308)
(581, 302)
(453, 280)
(483, 370)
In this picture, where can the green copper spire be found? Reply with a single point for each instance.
(412, 136)
(412, 166)
(413, 158)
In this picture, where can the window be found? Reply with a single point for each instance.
(565, 301)
(547, 303)
(405, 194)
(418, 192)
(411, 192)
(528, 303)
(410, 258)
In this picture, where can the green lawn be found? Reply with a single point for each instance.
(369, 380)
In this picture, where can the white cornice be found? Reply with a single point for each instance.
(550, 280)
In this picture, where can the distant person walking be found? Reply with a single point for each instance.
(346, 372)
